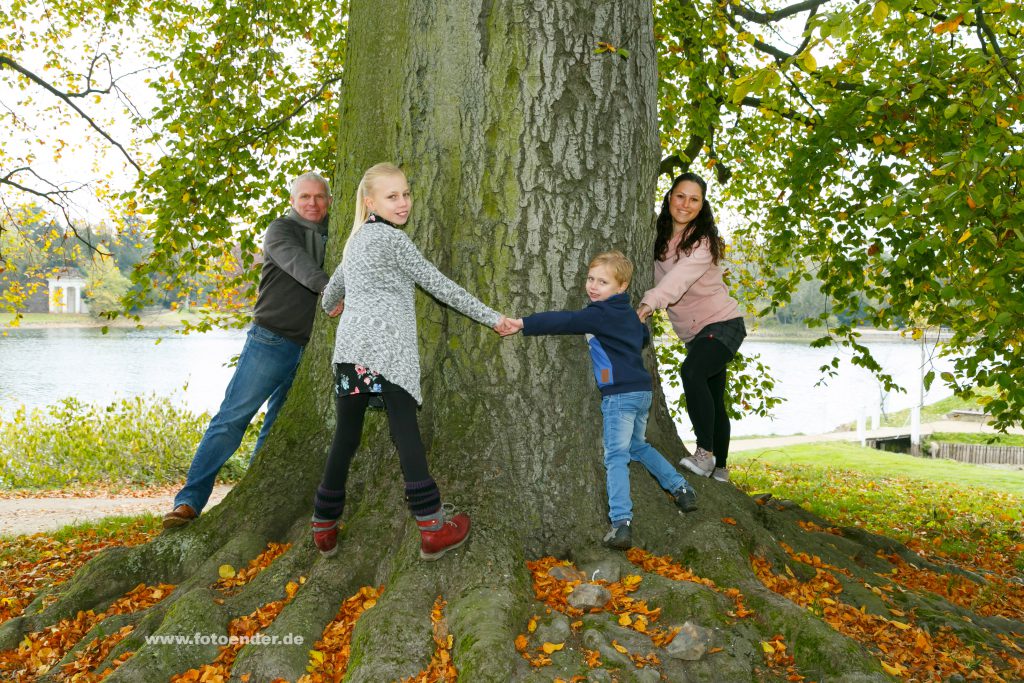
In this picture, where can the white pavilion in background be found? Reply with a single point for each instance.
(66, 292)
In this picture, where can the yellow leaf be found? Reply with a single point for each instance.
(618, 647)
(226, 571)
(893, 670)
(964, 237)
(767, 647)
(1001, 121)
(624, 620)
(809, 62)
(880, 12)
(548, 648)
(878, 139)
(291, 588)
(900, 625)
(532, 626)
(316, 656)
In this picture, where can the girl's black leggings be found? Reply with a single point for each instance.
(703, 375)
(420, 490)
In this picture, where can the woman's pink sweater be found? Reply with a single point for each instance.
(691, 288)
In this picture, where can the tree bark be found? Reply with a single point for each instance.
(528, 151)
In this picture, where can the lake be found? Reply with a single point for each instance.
(40, 366)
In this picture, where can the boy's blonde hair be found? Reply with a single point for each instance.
(617, 262)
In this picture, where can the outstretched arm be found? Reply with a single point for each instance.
(686, 271)
(563, 322)
(437, 284)
(334, 293)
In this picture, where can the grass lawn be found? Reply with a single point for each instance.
(819, 457)
(932, 412)
(976, 438)
(946, 506)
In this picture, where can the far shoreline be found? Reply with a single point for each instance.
(150, 319)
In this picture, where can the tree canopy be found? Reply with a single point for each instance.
(875, 144)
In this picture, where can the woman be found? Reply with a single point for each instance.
(688, 283)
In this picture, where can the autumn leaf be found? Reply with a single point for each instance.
(549, 648)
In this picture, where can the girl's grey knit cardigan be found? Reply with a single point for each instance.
(377, 278)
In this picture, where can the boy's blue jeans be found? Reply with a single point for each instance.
(265, 370)
(625, 423)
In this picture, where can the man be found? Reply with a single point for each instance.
(291, 282)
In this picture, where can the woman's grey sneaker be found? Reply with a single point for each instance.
(721, 474)
(701, 462)
(619, 537)
(686, 499)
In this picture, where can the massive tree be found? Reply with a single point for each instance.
(530, 144)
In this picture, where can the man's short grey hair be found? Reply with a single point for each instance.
(312, 175)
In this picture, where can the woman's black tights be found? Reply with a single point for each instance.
(703, 375)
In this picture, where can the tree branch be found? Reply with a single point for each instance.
(670, 163)
(769, 17)
(757, 103)
(256, 132)
(67, 98)
(1003, 59)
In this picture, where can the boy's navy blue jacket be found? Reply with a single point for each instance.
(615, 335)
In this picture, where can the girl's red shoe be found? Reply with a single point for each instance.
(452, 534)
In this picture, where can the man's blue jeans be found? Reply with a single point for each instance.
(625, 424)
(265, 370)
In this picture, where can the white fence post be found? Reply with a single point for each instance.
(915, 430)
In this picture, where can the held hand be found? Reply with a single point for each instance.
(336, 311)
(643, 311)
(505, 326)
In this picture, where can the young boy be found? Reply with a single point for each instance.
(616, 336)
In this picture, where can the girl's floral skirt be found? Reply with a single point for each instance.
(350, 379)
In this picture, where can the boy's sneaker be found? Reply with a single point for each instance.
(325, 537)
(686, 499)
(721, 474)
(619, 537)
(453, 532)
(701, 462)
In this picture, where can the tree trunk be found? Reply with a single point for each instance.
(527, 151)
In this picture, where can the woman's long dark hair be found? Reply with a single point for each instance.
(702, 226)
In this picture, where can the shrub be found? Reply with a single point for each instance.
(139, 440)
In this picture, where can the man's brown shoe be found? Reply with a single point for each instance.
(179, 516)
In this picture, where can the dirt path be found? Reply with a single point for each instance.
(31, 515)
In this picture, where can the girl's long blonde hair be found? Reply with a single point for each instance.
(372, 175)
